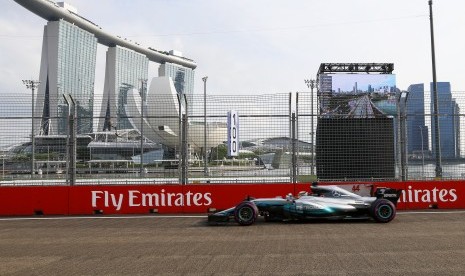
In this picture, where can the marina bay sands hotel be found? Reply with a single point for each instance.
(69, 53)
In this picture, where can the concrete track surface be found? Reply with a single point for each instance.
(415, 243)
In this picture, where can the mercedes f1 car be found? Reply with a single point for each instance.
(321, 202)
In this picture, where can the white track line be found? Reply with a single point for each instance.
(429, 212)
(100, 217)
(188, 216)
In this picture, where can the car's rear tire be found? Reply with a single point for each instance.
(383, 210)
(246, 213)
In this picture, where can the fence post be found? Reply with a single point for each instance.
(178, 152)
(184, 149)
(402, 130)
(297, 136)
(142, 107)
(71, 141)
(184, 140)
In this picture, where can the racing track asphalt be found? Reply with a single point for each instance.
(416, 243)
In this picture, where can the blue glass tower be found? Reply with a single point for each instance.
(448, 121)
(68, 66)
(417, 131)
(183, 78)
(124, 71)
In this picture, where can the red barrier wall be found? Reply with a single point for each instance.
(227, 195)
(425, 194)
(127, 199)
(430, 194)
(50, 200)
(132, 199)
(195, 198)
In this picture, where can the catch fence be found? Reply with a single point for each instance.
(282, 138)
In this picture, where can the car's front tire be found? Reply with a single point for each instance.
(246, 213)
(383, 210)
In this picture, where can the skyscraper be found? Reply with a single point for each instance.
(124, 71)
(183, 77)
(417, 131)
(448, 121)
(67, 66)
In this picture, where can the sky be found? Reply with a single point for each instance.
(260, 46)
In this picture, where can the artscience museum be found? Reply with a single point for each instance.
(159, 119)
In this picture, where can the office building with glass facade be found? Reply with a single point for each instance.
(417, 131)
(67, 66)
(182, 77)
(125, 70)
(449, 121)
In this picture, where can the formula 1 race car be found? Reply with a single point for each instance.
(321, 202)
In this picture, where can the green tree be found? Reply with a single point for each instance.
(219, 152)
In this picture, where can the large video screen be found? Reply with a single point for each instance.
(357, 95)
(351, 148)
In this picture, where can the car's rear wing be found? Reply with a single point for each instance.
(390, 194)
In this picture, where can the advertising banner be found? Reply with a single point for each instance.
(430, 194)
(199, 198)
(418, 194)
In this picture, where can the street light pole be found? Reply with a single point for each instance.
(311, 84)
(32, 84)
(205, 169)
(402, 112)
(142, 97)
(437, 140)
